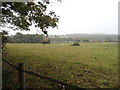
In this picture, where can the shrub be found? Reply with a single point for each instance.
(75, 44)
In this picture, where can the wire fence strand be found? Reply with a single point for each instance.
(10, 64)
(44, 77)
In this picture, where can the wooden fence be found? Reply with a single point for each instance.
(21, 77)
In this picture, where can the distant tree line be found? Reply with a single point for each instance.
(87, 37)
(40, 38)
(27, 38)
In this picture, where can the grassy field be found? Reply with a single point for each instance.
(91, 65)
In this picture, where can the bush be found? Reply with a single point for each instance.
(75, 44)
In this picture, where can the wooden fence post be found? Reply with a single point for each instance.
(21, 76)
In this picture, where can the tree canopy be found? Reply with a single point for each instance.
(21, 15)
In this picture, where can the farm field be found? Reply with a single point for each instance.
(90, 65)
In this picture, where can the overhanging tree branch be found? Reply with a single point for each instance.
(22, 14)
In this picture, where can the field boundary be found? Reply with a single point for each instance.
(21, 77)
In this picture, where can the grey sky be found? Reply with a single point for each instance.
(84, 16)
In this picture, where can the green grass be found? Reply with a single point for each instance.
(91, 65)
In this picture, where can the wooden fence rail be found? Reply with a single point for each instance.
(21, 77)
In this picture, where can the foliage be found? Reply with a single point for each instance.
(26, 38)
(75, 44)
(21, 15)
(85, 38)
(4, 41)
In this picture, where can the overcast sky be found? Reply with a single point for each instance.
(84, 16)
